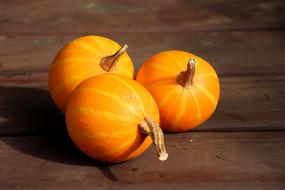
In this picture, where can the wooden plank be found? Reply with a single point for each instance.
(252, 160)
(231, 53)
(246, 104)
(87, 16)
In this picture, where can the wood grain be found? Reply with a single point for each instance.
(89, 16)
(246, 104)
(231, 53)
(197, 161)
(240, 147)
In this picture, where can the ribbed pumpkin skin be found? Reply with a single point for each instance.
(181, 109)
(103, 115)
(80, 60)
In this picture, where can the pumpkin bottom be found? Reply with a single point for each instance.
(169, 127)
(182, 109)
(61, 95)
(186, 123)
(105, 149)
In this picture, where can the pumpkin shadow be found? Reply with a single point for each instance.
(30, 115)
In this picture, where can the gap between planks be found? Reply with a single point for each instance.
(246, 104)
(26, 76)
(231, 54)
(244, 30)
(204, 159)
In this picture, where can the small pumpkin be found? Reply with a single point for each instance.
(185, 87)
(113, 118)
(83, 58)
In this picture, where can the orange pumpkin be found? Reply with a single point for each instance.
(113, 118)
(83, 58)
(185, 87)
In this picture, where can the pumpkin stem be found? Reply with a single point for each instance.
(149, 127)
(185, 78)
(109, 62)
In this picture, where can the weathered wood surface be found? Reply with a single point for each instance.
(87, 16)
(246, 104)
(242, 146)
(231, 53)
(197, 161)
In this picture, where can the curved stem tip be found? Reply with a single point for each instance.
(108, 63)
(149, 127)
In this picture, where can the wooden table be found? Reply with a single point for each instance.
(241, 147)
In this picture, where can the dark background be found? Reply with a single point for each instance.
(241, 147)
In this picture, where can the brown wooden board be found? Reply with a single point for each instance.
(247, 104)
(231, 53)
(225, 160)
(242, 146)
(87, 16)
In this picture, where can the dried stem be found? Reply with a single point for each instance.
(185, 78)
(108, 63)
(149, 127)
